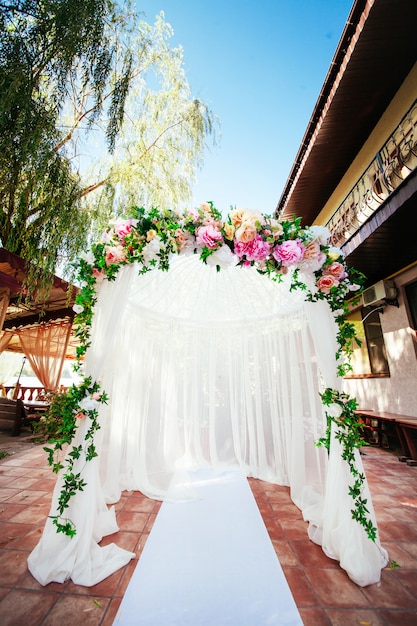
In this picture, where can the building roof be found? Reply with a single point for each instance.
(56, 304)
(375, 54)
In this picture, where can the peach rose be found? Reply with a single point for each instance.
(237, 217)
(115, 254)
(326, 282)
(337, 270)
(311, 251)
(246, 232)
(205, 207)
(229, 231)
(98, 274)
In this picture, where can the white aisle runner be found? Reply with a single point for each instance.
(209, 561)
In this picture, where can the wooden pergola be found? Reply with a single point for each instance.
(18, 314)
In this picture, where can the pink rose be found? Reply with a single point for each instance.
(289, 252)
(80, 416)
(209, 219)
(209, 237)
(337, 270)
(255, 250)
(194, 214)
(326, 282)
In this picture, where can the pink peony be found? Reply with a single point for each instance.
(337, 270)
(255, 250)
(326, 282)
(122, 228)
(209, 237)
(289, 252)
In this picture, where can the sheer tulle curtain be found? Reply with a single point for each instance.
(231, 395)
(341, 537)
(58, 557)
(45, 346)
(205, 368)
(218, 369)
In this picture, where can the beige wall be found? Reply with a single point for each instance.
(388, 122)
(397, 393)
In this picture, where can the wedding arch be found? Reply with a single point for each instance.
(230, 357)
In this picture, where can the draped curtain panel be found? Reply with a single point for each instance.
(5, 338)
(45, 346)
(214, 369)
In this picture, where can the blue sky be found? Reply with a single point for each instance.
(259, 66)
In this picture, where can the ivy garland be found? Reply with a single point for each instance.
(245, 238)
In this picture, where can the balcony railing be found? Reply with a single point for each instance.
(390, 167)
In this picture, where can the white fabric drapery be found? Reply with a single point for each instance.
(219, 369)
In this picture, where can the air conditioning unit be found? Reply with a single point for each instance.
(378, 293)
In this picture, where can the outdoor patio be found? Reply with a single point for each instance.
(322, 591)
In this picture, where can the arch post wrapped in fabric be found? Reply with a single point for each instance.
(206, 368)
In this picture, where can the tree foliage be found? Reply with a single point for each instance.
(92, 99)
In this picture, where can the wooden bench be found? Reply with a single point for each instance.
(14, 411)
(384, 428)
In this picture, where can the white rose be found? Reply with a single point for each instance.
(88, 257)
(152, 249)
(88, 404)
(320, 234)
(334, 410)
(78, 308)
(335, 253)
(223, 257)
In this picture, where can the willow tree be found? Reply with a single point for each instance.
(95, 111)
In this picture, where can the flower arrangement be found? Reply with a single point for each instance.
(245, 238)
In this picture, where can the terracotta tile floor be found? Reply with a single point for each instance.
(322, 591)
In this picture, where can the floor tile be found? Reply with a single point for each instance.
(285, 553)
(132, 521)
(314, 617)
(70, 610)
(310, 554)
(110, 614)
(323, 592)
(389, 593)
(333, 588)
(301, 588)
(408, 579)
(356, 617)
(10, 532)
(399, 618)
(21, 607)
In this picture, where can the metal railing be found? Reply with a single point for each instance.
(390, 167)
